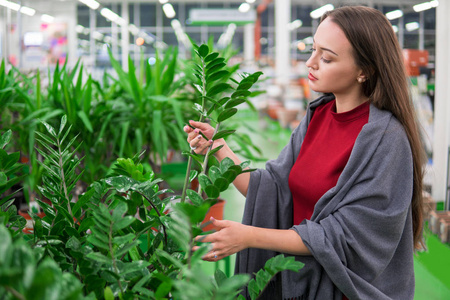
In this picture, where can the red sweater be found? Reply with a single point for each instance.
(324, 153)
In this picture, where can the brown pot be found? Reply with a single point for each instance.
(215, 211)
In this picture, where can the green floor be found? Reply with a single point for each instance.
(432, 268)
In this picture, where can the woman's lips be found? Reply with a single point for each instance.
(311, 77)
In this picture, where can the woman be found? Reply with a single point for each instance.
(344, 195)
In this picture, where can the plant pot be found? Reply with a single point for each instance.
(215, 211)
(286, 116)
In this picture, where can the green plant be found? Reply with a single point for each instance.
(9, 176)
(154, 107)
(212, 81)
(93, 245)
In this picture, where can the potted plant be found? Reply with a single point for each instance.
(94, 244)
(116, 241)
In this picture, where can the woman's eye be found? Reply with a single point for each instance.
(327, 61)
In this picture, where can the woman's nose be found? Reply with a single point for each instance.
(310, 63)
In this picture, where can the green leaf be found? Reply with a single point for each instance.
(215, 150)
(212, 191)
(221, 87)
(121, 183)
(222, 134)
(204, 180)
(217, 75)
(108, 293)
(215, 68)
(214, 173)
(240, 93)
(6, 137)
(245, 85)
(230, 175)
(225, 164)
(211, 56)
(222, 184)
(192, 175)
(5, 237)
(215, 62)
(203, 50)
(122, 223)
(84, 118)
(253, 289)
(194, 197)
(220, 277)
(49, 128)
(234, 102)
(3, 178)
(262, 279)
(245, 164)
(226, 114)
(98, 257)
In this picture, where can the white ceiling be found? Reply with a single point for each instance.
(307, 2)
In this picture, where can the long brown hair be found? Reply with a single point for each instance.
(378, 53)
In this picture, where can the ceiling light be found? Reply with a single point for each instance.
(395, 28)
(168, 10)
(97, 35)
(133, 29)
(47, 18)
(250, 1)
(91, 3)
(244, 7)
(412, 26)
(79, 28)
(434, 3)
(309, 40)
(317, 13)
(295, 24)
(121, 21)
(163, 1)
(27, 11)
(395, 14)
(10, 5)
(109, 14)
(422, 6)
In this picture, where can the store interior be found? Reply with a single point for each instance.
(97, 62)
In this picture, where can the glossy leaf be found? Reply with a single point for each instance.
(234, 102)
(221, 183)
(226, 114)
(203, 50)
(6, 137)
(204, 180)
(211, 56)
(222, 134)
(212, 191)
(217, 75)
(194, 197)
(221, 87)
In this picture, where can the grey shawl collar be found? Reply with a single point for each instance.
(360, 234)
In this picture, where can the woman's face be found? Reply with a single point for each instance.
(332, 67)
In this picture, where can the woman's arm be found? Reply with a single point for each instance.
(196, 140)
(233, 237)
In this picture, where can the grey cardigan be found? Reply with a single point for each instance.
(360, 234)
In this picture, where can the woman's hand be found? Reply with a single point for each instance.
(230, 238)
(196, 141)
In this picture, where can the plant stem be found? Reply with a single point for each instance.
(205, 161)
(189, 166)
(159, 214)
(15, 293)
(113, 258)
(63, 179)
